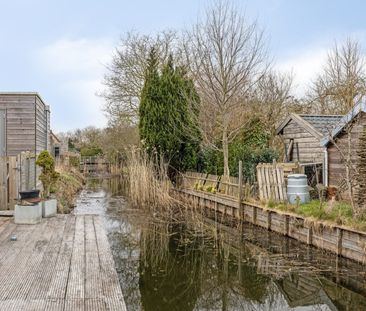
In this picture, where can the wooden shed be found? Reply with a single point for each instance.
(24, 126)
(24, 123)
(343, 142)
(301, 136)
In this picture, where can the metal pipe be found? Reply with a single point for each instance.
(325, 167)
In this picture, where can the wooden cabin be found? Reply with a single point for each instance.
(24, 123)
(301, 136)
(24, 126)
(343, 141)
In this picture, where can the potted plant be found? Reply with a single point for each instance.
(48, 178)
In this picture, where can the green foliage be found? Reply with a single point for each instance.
(71, 144)
(251, 147)
(74, 161)
(167, 122)
(48, 176)
(209, 188)
(90, 151)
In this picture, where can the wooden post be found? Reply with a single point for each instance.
(3, 184)
(12, 182)
(339, 241)
(286, 224)
(269, 220)
(309, 238)
(254, 215)
(240, 191)
(259, 180)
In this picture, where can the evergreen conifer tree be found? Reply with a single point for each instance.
(168, 124)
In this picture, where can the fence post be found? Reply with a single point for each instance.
(240, 192)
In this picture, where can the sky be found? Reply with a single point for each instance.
(60, 48)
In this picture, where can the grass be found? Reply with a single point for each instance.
(336, 212)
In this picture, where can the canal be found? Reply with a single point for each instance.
(186, 261)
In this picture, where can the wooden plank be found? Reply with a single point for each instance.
(11, 272)
(13, 191)
(264, 186)
(43, 277)
(57, 288)
(260, 182)
(3, 183)
(75, 284)
(111, 287)
(93, 276)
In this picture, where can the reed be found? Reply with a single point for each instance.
(148, 182)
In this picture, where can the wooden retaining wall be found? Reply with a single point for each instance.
(336, 239)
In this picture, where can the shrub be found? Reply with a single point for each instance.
(48, 176)
(91, 151)
(74, 161)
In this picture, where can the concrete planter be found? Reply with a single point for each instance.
(28, 214)
(49, 208)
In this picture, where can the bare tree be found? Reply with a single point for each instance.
(226, 56)
(125, 77)
(342, 83)
(272, 99)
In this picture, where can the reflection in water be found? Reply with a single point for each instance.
(196, 264)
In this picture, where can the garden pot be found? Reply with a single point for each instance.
(29, 194)
(28, 214)
(49, 208)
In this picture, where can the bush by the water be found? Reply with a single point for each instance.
(251, 147)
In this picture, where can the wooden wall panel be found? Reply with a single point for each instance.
(20, 110)
(340, 150)
(41, 126)
(308, 146)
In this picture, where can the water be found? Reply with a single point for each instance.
(192, 263)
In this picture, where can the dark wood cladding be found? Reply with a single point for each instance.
(341, 149)
(26, 122)
(306, 147)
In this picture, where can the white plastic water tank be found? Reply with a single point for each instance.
(297, 187)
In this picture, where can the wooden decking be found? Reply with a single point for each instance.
(63, 263)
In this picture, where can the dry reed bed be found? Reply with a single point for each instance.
(148, 183)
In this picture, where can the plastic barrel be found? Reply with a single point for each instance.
(297, 187)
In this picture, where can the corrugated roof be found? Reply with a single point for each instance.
(324, 124)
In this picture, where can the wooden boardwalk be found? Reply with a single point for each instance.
(63, 263)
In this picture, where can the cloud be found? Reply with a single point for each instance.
(75, 69)
(304, 65)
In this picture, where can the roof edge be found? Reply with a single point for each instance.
(360, 107)
(305, 124)
(13, 93)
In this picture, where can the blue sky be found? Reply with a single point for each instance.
(60, 48)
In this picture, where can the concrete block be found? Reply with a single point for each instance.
(28, 214)
(49, 208)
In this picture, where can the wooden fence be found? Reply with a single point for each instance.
(17, 173)
(95, 165)
(272, 180)
(216, 183)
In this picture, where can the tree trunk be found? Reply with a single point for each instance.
(225, 148)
